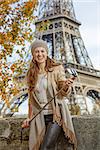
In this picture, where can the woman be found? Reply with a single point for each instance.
(45, 78)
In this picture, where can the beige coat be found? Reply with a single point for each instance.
(56, 78)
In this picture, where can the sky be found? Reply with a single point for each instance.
(88, 13)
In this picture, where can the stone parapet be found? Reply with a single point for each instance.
(87, 129)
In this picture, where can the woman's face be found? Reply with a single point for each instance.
(40, 55)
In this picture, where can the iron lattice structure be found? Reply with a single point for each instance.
(63, 36)
(66, 45)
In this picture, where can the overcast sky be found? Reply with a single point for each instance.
(88, 13)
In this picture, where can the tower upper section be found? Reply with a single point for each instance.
(62, 34)
(48, 8)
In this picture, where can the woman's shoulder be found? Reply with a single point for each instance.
(54, 65)
(57, 67)
(58, 64)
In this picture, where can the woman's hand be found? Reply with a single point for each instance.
(25, 123)
(69, 81)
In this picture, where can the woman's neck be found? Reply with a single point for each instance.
(42, 68)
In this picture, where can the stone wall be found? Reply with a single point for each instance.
(87, 131)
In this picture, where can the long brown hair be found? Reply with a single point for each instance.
(33, 71)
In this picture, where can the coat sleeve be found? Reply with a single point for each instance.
(61, 78)
(33, 106)
(30, 110)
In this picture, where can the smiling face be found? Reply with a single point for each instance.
(40, 55)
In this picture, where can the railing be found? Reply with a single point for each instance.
(82, 68)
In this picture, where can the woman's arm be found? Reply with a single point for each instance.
(30, 110)
(63, 82)
(25, 123)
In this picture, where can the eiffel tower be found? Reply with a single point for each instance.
(66, 45)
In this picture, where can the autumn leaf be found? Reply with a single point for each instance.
(15, 22)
